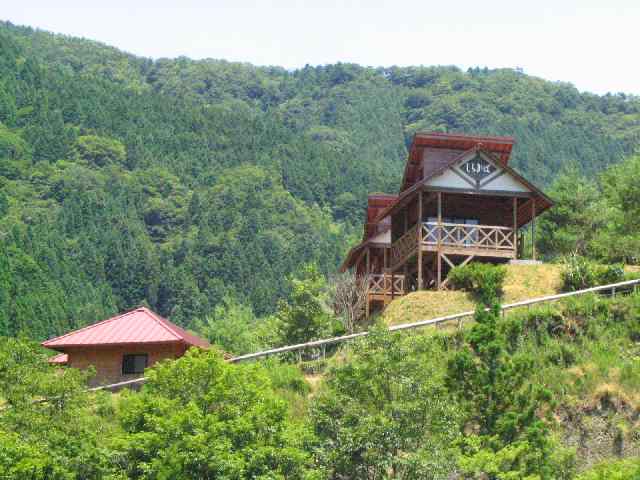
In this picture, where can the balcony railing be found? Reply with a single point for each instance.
(383, 284)
(465, 235)
(404, 246)
(487, 238)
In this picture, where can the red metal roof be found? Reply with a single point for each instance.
(500, 146)
(137, 326)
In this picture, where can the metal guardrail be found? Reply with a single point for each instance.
(613, 287)
(434, 321)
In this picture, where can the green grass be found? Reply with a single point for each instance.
(522, 282)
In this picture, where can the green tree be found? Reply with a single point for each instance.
(613, 470)
(47, 428)
(620, 241)
(200, 417)
(385, 412)
(512, 440)
(4, 204)
(306, 315)
(100, 151)
(576, 219)
(231, 326)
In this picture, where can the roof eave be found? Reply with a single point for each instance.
(61, 348)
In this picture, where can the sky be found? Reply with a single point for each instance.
(592, 44)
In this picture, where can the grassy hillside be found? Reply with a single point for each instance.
(583, 350)
(522, 282)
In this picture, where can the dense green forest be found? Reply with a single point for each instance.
(191, 185)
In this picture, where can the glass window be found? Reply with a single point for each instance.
(471, 231)
(432, 237)
(134, 363)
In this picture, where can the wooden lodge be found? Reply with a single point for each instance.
(459, 201)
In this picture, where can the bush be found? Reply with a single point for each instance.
(285, 376)
(580, 272)
(613, 470)
(484, 281)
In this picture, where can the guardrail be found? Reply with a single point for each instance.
(434, 321)
(613, 288)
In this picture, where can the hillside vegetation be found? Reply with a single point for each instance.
(193, 185)
(522, 282)
(546, 393)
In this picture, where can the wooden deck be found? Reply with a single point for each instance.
(454, 239)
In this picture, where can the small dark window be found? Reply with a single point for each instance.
(134, 363)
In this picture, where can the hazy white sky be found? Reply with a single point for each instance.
(593, 44)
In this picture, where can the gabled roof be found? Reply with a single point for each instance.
(139, 326)
(499, 146)
(543, 202)
(447, 144)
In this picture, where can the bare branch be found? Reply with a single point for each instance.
(349, 294)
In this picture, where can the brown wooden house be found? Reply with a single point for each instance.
(459, 201)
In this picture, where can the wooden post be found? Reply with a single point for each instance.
(406, 218)
(439, 248)
(419, 240)
(368, 267)
(405, 272)
(384, 275)
(393, 278)
(533, 228)
(515, 227)
(367, 307)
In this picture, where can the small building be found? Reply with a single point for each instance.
(459, 201)
(121, 347)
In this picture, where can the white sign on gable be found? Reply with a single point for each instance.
(479, 172)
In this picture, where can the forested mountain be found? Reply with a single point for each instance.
(177, 183)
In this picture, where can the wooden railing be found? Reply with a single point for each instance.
(404, 246)
(381, 284)
(484, 237)
(464, 235)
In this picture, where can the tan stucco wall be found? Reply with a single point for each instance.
(108, 360)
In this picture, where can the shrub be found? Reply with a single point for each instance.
(580, 272)
(613, 470)
(484, 281)
(286, 376)
(610, 274)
